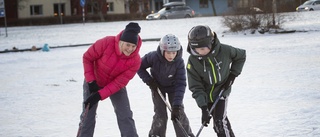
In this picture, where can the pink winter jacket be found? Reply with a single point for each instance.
(111, 69)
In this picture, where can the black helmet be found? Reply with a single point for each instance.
(200, 36)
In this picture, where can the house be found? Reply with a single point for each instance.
(204, 7)
(105, 6)
(48, 8)
(222, 7)
(26, 9)
(201, 7)
(43, 8)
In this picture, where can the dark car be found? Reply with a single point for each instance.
(172, 10)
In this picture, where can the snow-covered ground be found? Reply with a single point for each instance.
(277, 94)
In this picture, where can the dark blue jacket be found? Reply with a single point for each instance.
(171, 76)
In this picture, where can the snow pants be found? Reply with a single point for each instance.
(122, 109)
(160, 118)
(221, 123)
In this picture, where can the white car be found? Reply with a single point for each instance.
(309, 5)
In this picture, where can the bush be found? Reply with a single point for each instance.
(261, 22)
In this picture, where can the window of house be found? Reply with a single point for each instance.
(59, 8)
(36, 10)
(203, 3)
(110, 6)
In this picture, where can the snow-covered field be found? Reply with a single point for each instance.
(277, 94)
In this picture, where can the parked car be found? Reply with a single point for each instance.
(309, 5)
(172, 10)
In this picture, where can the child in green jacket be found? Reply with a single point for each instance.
(212, 67)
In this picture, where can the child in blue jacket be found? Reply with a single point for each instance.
(168, 74)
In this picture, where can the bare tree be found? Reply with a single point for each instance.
(213, 8)
(98, 6)
(134, 6)
(274, 11)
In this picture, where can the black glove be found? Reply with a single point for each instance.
(229, 82)
(153, 85)
(92, 100)
(93, 87)
(175, 114)
(205, 119)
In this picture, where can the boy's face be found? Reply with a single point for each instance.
(127, 48)
(202, 51)
(170, 55)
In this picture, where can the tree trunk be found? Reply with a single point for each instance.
(213, 8)
(274, 11)
(101, 16)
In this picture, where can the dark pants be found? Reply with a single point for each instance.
(122, 109)
(221, 124)
(160, 118)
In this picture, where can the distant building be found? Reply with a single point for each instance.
(204, 7)
(201, 7)
(43, 8)
(106, 6)
(20, 9)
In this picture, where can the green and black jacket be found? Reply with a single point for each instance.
(206, 74)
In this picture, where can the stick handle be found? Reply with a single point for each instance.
(216, 101)
(211, 109)
(168, 105)
(200, 130)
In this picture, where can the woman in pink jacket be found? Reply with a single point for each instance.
(109, 64)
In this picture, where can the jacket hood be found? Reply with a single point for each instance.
(136, 52)
(214, 50)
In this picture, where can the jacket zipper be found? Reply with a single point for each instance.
(218, 65)
(215, 79)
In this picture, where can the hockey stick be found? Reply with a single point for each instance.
(82, 120)
(168, 105)
(211, 109)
